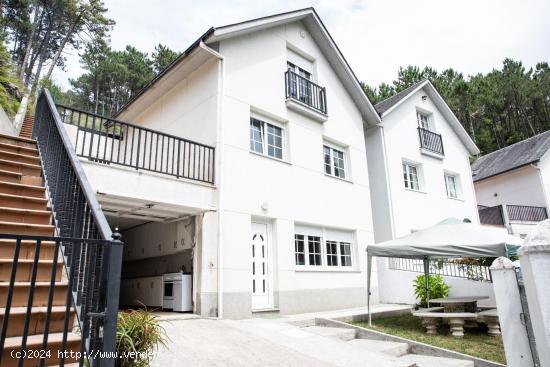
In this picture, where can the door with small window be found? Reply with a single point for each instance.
(261, 293)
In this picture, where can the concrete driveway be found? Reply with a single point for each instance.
(259, 342)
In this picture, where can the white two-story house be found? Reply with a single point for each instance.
(513, 183)
(246, 167)
(419, 172)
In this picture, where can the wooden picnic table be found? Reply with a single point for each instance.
(459, 304)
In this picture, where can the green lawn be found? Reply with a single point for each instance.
(476, 342)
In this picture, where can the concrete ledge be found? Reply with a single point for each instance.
(375, 315)
(416, 347)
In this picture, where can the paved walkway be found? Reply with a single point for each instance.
(262, 342)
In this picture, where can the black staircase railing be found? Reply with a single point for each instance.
(92, 254)
(110, 141)
(430, 141)
(305, 91)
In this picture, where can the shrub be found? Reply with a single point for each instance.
(438, 288)
(138, 331)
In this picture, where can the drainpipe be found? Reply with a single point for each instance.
(219, 171)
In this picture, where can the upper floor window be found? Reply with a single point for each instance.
(452, 185)
(410, 176)
(423, 120)
(266, 138)
(334, 161)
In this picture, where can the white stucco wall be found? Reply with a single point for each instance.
(189, 109)
(413, 210)
(521, 186)
(296, 190)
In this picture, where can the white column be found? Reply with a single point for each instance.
(534, 257)
(514, 333)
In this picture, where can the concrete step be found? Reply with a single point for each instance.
(26, 250)
(23, 202)
(23, 168)
(19, 157)
(18, 149)
(394, 349)
(16, 177)
(28, 216)
(24, 270)
(429, 361)
(41, 290)
(18, 140)
(333, 332)
(37, 321)
(14, 188)
(27, 229)
(34, 343)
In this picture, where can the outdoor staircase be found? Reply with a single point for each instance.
(24, 210)
(26, 128)
(400, 351)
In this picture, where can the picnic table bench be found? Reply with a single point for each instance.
(432, 316)
(430, 319)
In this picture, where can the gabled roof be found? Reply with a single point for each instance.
(511, 157)
(390, 104)
(318, 31)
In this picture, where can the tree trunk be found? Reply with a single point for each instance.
(23, 65)
(42, 58)
(63, 43)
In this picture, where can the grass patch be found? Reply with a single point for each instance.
(475, 343)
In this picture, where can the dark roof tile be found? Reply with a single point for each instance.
(513, 156)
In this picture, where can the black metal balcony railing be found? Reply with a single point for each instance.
(430, 141)
(494, 215)
(110, 141)
(305, 91)
(491, 215)
(91, 253)
(526, 213)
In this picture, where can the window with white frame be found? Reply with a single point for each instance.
(452, 185)
(322, 248)
(334, 161)
(266, 138)
(422, 119)
(410, 176)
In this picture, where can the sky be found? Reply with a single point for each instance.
(375, 36)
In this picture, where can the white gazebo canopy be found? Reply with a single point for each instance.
(450, 238)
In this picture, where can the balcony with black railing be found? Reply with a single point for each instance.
(108, 141)
(430, 141)
(525, 213)
(504, 214)
(305, 92)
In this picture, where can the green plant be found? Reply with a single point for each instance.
(138, 336)
(437, 288)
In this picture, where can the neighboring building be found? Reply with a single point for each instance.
(273, 211)
(512, 185)
(419, 172)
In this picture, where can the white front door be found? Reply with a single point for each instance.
(261, 297)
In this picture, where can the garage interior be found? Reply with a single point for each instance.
(158, 263)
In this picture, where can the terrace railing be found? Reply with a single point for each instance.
(305, 91)
(110, 141)
(491, 215)
(495, 215)
(430, 141)
(526, 213)
(450, 268)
